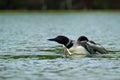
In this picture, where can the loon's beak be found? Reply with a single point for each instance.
(53, 39)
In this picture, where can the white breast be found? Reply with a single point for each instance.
(75, 52)
(78, 50)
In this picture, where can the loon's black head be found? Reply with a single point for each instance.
(82, 38)
(62, 40)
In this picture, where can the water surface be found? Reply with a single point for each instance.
(25, 53)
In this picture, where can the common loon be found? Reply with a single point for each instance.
(82, 46)
(91, 46)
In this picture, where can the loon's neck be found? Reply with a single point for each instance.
(69, 44)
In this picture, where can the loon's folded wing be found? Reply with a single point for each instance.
(87, 47)
(97, 47)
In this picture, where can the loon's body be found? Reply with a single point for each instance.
(80, 47)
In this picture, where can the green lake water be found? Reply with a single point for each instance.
(26, 54)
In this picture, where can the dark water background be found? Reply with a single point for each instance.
(25, 53)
